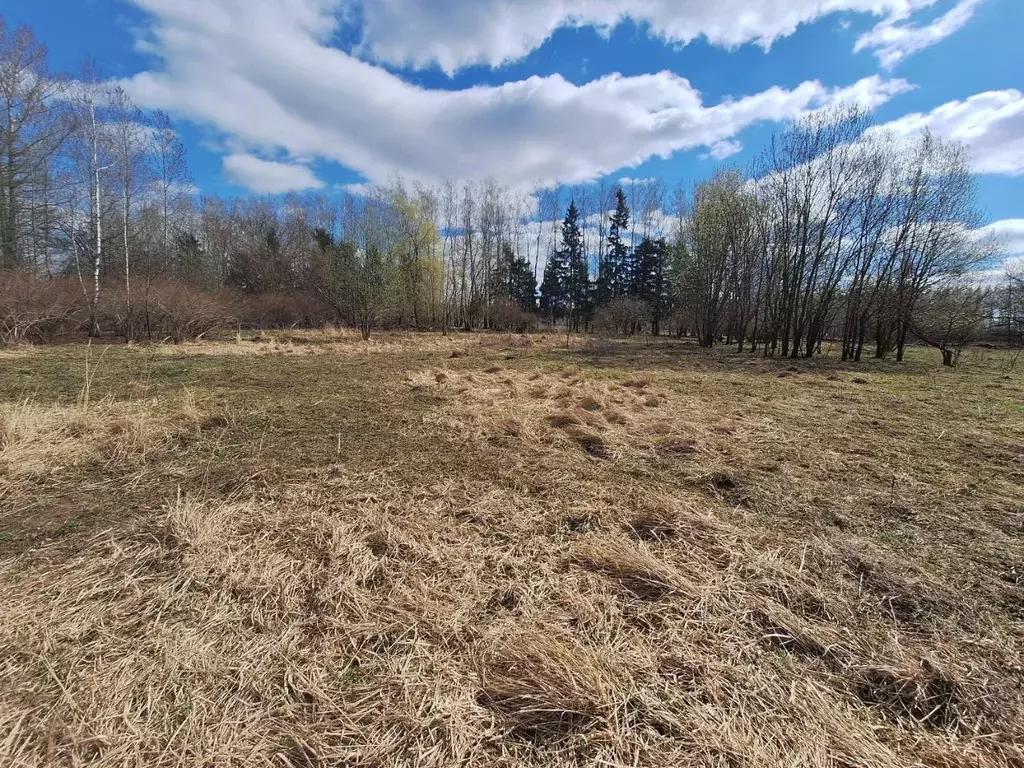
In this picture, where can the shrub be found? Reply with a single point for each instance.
(626, 316)
(507, 315)
(284, 310)
(170, 310)
(32, 309)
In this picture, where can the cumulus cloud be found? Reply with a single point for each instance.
(457, 33)
(894, 39)
(1010, 233)
(720, 150)
(267, 177)
(1006, 238)
(296, 94)
(991, 124)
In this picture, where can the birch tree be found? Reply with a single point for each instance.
(128, 143)
(34, 124)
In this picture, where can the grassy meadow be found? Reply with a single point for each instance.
(301, 549)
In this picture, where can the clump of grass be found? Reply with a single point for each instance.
(924, 696)
(511, 426)
(544, 685)
(900, 593)
(37, 438)
(594, 419)
(636, 570)
(637, 382)
(676, 446)
(615, 416)
(589, 440)
(653, 525)
(790, 639)
(563, 419)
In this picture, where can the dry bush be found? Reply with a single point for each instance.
(625, 316)
(164, 309)
(36, 310)
(507, 315)
(283, 310)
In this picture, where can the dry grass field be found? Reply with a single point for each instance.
(305, 550)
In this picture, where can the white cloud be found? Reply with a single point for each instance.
(1008, 237)
(456, 33)
(991, 124)
(267, 177)
(294, 93)
(720, 150)
(1010, 232)
(893, 40)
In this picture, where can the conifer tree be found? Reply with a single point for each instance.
(649, 279)
(553, 287)
(613, 275)
(577, 290)
(519, 284)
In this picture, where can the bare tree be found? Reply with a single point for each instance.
(950, 318)
(128, 142)
(34, 124)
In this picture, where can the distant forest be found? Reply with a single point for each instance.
(836, 233)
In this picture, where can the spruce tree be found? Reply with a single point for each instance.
(578, 272)
(553, 287)
(519, 284)
(613, 274)
(565, 290)
(649, 279)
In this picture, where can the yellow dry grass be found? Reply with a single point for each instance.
(39, 439)
(329, 341)
(651, 564)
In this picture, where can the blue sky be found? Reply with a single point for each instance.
(271, 95)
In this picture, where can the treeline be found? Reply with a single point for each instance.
(836, 234)
(839, 233)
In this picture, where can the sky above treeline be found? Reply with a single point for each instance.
(272, 96)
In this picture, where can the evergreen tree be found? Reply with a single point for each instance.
(517, 277)
(614, 271)
(324, 240)
(553, 302)
(649, 279)
(577, 288)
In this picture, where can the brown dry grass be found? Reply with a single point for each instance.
(725, 582)
(38, 439)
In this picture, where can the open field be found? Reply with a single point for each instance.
(484, 550)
